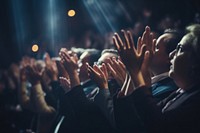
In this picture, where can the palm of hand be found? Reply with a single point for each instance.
(99, 75)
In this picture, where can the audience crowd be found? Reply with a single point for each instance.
(139, 80)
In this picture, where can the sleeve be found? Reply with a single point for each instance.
(174, 120)
(39, 100)
(23, 98)
(105, 103)
(87, 116)
(126, 117)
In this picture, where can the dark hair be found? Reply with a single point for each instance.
(112, 51)
(174, 40)
(194, 38)
(78, 51)
(94, 55)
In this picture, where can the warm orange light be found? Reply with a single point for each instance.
(71, 13)
(35, 48)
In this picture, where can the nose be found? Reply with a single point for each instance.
(172, 54)
(80, 63)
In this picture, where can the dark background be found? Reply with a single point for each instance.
(25, 22)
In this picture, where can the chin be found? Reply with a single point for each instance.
(171, 73)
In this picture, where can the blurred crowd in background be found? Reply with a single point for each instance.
(33, 84)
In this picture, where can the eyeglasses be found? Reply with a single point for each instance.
(179, 48)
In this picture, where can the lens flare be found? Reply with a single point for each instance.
(71, 13)
(35, 48)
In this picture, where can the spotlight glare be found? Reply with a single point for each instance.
(35, 48)
(71, 13)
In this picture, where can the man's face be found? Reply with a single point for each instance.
(161, 57)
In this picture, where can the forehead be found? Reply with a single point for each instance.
(106, 56)
(164, 38)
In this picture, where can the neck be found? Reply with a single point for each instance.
(187, 85)
(159, 72)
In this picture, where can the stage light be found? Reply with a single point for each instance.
(106, 14)
(71, 13)
(35, 48)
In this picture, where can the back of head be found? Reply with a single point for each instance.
(194, 39)
(112, 51)
(90, 56)
(94, 55)
(191, 42)
(107, 53)
(78, 51)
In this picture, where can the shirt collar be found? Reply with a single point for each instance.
(159, 77)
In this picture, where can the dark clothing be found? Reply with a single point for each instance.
(81, 114)
(182, 114)
(98, 100)
(126, 117)
(163, 88)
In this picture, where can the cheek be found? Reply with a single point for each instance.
(182, 66)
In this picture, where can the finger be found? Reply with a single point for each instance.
(110, 68)
(94, 71)
(154, 45)
(123, 88)
(132, 45)
(139, 44)
(98, 70)
(90, 72)
(66, 57)
(142, 54)
(120, 94)
(116, 65)
(145, 35)
(104, 69)
(88, 68)
(110, 60)
(148, 31)
(127, 42)
(147, 58)
(116, 43)
(119, 40)
(46, 57)
(122, 65)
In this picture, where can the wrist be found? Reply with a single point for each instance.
(72, 73)
(74, 79)
(138, 79)
(35, 82)
(54, 78)
(104, 86)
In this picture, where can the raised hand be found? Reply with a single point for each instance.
(147, 39)
(117, 70)
(69, 60)
(51, 67)
(127, 87)
(132, 59)
(34, 75)
(61, 70)
(65, 83)
(99, 75)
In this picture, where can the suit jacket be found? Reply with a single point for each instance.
(163, 88)
(81, 114)
(177, 113)
(126, 116)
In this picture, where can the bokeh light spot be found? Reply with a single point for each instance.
(71, 13)
(35, 48)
